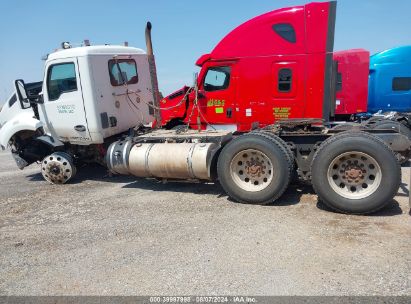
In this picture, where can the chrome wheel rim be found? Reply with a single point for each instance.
(251, 170)
(57, 168)
(354, 175)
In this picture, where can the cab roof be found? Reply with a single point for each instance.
(286, 31)
(95, 50)
(394, 55)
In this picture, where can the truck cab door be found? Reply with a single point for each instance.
(217, 87)
(287, 93)
(63, 108)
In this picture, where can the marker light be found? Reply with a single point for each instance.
(65, 45)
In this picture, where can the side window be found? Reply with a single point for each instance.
(401, 84)
(217, 78)
(122, 71)
(61, 78)
(284, 80)
(12, 100)
(286, 31)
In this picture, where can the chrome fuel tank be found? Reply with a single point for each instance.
(162, 160)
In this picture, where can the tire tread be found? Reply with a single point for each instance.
(282, 148)
(347, 134)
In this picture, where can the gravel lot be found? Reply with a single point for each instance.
(122, 236)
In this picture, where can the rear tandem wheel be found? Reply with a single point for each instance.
(355, 172)
(400, 128)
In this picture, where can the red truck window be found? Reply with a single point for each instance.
(284, 80)
(339, 82)
(285, 31)
(217, 78)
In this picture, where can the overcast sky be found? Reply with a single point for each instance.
(183, 30)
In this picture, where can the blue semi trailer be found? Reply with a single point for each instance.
(389, 87)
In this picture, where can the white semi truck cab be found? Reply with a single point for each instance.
(90, 96)
(85, 98)
(84, 94)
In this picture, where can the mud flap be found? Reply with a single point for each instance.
(20, 162)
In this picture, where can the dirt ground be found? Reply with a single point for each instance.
(104, 235)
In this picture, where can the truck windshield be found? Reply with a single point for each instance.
(12, 100)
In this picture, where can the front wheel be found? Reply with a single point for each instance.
(355, 172)
(58, 168)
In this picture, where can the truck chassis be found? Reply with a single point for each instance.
(346, 168)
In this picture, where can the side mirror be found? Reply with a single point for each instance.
(22, 93)
(40, 99)
(21, 89)
(201, 94)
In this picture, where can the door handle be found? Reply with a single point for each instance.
(229, 113)
(80, 128)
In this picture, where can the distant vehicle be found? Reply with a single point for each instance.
(390, 81)
(352, 82)
(374, 92)
(389, 97)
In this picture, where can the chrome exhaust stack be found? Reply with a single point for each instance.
(149, 41)
(153, 76)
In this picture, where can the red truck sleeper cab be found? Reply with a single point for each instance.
(274, 66)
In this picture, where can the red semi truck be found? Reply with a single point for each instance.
(275, 76)
(276, 66)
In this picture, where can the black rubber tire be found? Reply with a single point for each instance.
(369, 123)
(278, 155)
(400, 128)
(290, 154)
(405, 123)
(361, 142)
(390, 124)
(349, 126)
(291, 158)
